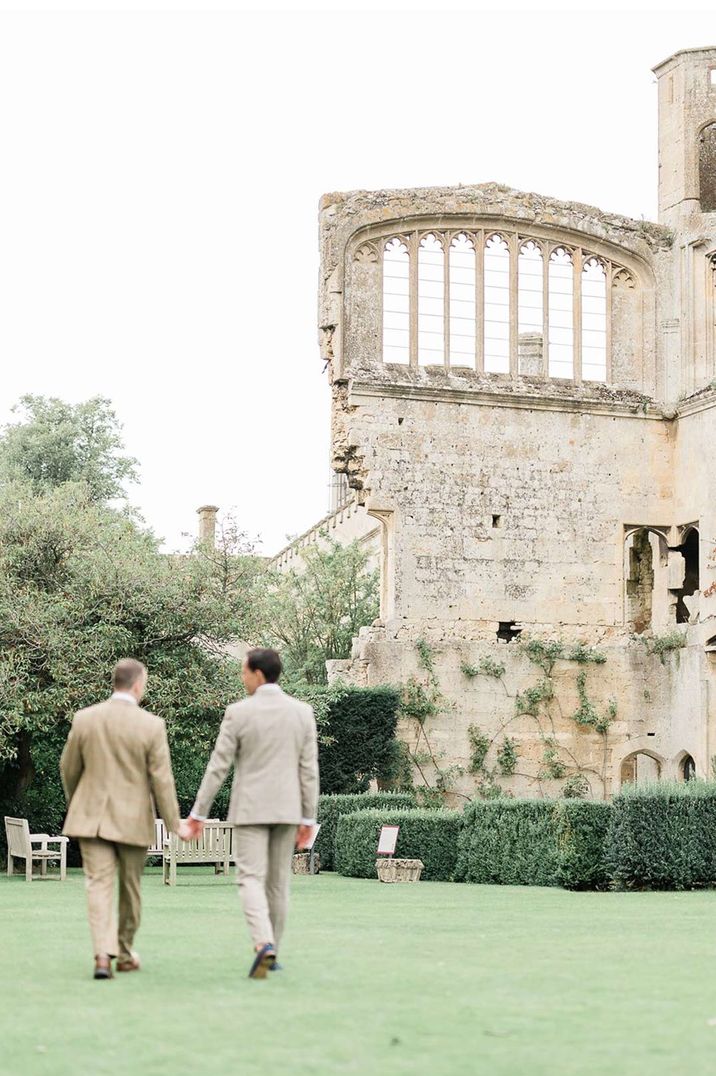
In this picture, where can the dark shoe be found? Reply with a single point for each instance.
(263, 962)
(276, 966)
(133, 964)
(103, 967)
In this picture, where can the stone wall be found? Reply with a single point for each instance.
(520, 506)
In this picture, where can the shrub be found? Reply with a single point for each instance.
(331, 807)
(361, 727)
(534, 842)
(663, 835)
(429, 835)
(582, 829)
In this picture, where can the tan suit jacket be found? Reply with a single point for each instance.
(115, 767)
(270, 739)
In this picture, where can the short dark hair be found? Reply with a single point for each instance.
(261, 659)
(126, 672)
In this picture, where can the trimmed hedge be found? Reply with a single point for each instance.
(582, 833)
(430, 835)
(361, 726)
(534, 842)
(331, 807)
(663, 836)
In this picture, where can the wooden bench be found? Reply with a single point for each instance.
(160, 838)
(212, 846)
(20, 844)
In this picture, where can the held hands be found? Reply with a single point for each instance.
(190, 829)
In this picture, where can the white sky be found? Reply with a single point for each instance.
(161, 165)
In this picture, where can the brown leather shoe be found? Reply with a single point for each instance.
(103, 967)
(133, 964)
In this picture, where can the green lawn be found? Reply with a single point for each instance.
(431, 978)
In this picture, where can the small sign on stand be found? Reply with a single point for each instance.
(387, 840)
(395, 870)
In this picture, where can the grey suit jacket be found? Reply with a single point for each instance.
(270, 739)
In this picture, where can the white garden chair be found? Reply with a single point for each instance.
(21, 845)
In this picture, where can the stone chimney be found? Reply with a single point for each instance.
(207, 523)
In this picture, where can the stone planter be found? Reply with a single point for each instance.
(301, 863)
(399, 870)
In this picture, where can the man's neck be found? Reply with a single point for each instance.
(123, 696)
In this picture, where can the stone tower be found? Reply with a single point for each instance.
(523, 397)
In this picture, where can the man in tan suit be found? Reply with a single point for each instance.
(270, 739)
(115, 763)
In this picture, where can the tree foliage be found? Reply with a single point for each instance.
(82, 585)
(54, 442)
(313, 612)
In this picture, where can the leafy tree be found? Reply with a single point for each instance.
(313, 612)
(82, 585)
(54, 442)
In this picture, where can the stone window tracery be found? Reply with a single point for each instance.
(431, 301)
(561, 313)
(497, 306)
(462, 300)
(396, 302)
(594, 320)
(498, 302)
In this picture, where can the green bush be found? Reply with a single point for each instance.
(429, 835)
(361, 733)
(331, 807)
(534, 842)
(582, 829)
(663, 835)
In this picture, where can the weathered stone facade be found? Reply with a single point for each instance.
(555, 484)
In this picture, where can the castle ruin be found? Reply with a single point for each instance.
(524, 395)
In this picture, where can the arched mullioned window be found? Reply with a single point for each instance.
(594, 320)
(462, 300)
(431, 301)
(497, 306)
(396, 302)
(499, 302)
(561, 313)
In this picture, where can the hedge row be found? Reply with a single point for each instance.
(330, 809)
(534, 842)
(663, 836)
(429, 835)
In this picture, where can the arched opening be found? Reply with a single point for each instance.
(687, 768)
(561, 313)
(431, 301)
(638, 768)
(707, 168)
(462, 300)
(396, 302)
(530, 308)
(497, 306)
(689, 550)
(648, 601)
(594, 321)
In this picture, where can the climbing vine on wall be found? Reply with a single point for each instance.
(539, 702)
(492, 757)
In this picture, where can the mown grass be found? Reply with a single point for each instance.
(431, 978)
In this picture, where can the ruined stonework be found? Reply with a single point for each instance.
(523, 399)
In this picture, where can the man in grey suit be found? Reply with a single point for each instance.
(270, 739)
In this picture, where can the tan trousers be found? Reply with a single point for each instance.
(263, 857)
(100, 860)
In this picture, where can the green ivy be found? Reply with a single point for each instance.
(507, 757)
(479, 746)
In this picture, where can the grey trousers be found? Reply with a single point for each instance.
(263, 857)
